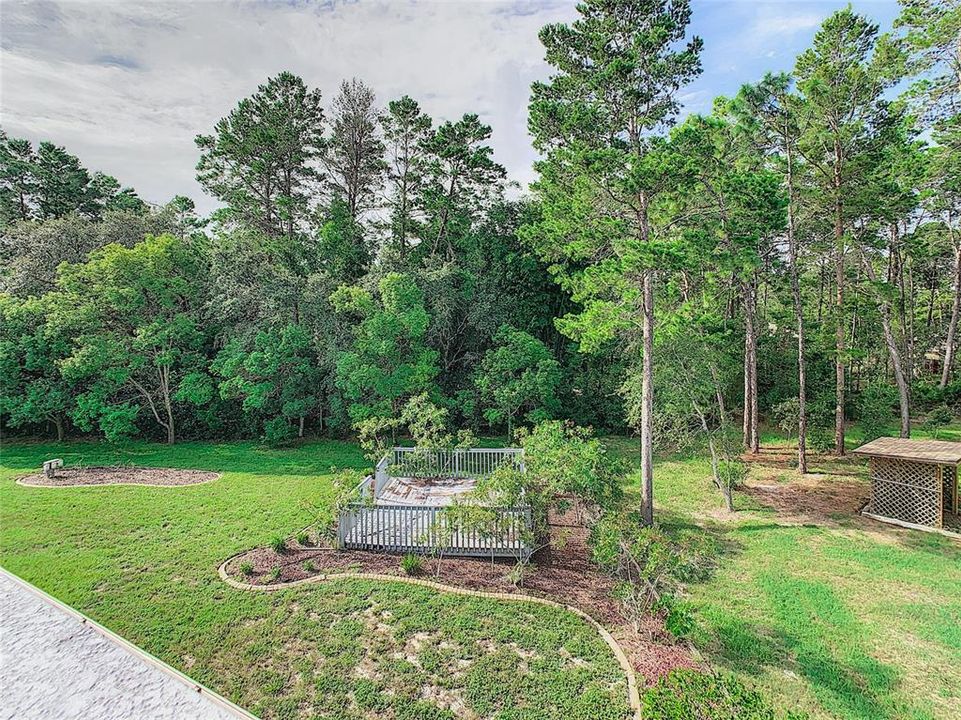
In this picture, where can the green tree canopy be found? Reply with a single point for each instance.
(139, 337)
(388, 361)
(518, 378)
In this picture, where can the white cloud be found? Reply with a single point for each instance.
(127, 86)
(785, 23)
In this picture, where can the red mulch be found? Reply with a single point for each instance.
(563, 573)
(66, 477)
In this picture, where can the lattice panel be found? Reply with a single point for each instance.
(907, 491)
(950, 476)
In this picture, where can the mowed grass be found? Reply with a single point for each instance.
(143, 561)
(837, 616)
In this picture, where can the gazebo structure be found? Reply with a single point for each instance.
(914, 483)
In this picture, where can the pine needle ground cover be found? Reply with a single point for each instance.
(823, 611)
(143, 561)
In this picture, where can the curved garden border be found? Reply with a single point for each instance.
(213, 476)
(632, 693)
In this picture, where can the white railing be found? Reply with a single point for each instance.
(369, 525)
(434, 530)
(473, 462)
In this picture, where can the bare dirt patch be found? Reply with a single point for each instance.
(77, 477)
(563, 573)
(814, 499)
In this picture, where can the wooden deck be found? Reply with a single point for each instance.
(409, 512)
(422, 491)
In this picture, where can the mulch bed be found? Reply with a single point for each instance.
(71, 477)
(562, 573)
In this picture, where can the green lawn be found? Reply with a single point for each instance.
(840, 618)
(843, 618)
(143, 561)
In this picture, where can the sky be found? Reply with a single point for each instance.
(126, 86)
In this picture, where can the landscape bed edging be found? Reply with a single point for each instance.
(633, 695)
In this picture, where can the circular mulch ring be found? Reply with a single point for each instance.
(92, 476)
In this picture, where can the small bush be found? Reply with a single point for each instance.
(247, 568)
(515, 576)
(785, 414)
(274, 574)
(875, 407)
(303, 538)
(732, 473)
(279, 544)
(938, 419)
(278, 432)
(410, 564)
(690, 695)
(653, 565)
(309, 566)
(821, 439)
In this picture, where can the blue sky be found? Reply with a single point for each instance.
(127, 85)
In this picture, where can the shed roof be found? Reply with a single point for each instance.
(925, 451)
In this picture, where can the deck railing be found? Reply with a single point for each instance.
(452, 463)
(435, 530)
(370, 525)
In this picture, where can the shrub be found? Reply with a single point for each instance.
(693, 695)
(309, 566)
(652, 564)
(515, 576)
(410, 564)
(875, 407)
(937, 419)
(821, 439)
(274, 574)
(278, 544)
(731, 474)
(247, 568)
(303, 538)
(278, 432)
(785, 414)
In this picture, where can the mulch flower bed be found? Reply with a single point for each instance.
(563, 573)
(67, 477)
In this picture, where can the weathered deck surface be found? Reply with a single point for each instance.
(424, 491)
(54, 666)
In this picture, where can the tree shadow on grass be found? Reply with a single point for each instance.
(815, 636)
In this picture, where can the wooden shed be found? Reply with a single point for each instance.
(914, 483)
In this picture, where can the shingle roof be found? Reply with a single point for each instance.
(929, 451)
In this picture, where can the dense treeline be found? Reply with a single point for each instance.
(794, 255)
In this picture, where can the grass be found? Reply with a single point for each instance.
(143, 561)
(837, 617)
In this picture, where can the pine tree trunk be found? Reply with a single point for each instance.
(953, 323)
(838, 316)
(793, 253)
(300, 428)
(751, 435)
(647, 404)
